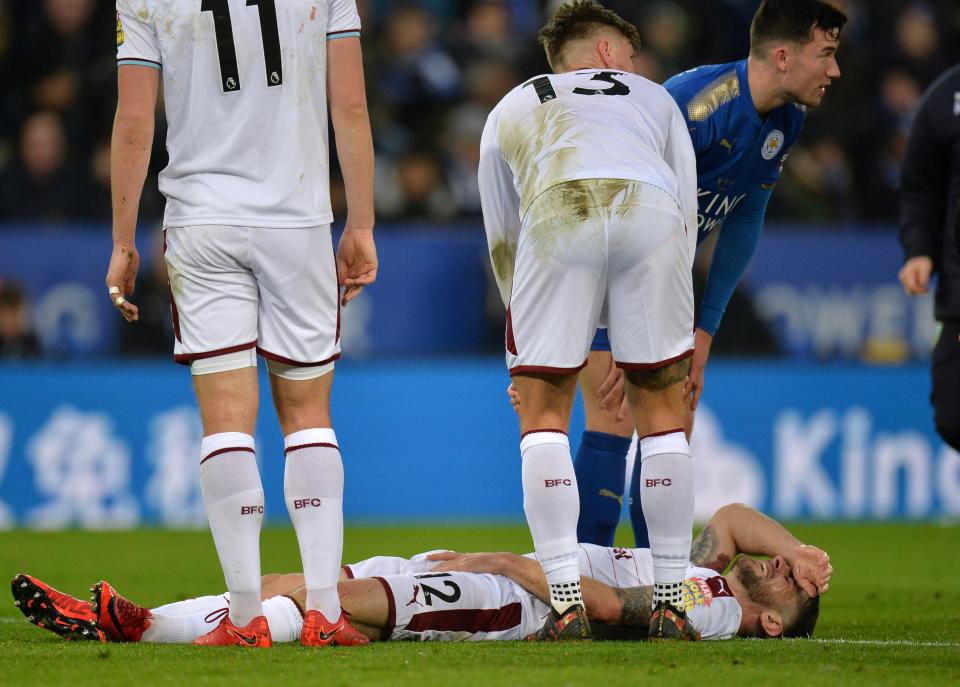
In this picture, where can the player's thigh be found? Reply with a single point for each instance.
(457, 606)
(650, 289)
(299, 316)
(590, 379)
(214, 295)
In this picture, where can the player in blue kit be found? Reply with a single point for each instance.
(743, 119)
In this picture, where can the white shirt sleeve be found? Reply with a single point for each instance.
(500, 203)
(343, 20)
(137, 42)
(711, 605)
(680, 156)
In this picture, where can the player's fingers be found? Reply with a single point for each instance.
(363, 279)
(442, 556)
(697, 390)
(808, 587)
(349, 293)
(624, 411)
(608, 383)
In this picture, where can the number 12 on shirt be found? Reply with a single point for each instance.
(226, 49)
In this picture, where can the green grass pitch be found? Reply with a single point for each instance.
(891, 617)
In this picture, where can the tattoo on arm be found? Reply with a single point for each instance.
(637, 606)
(704, 553)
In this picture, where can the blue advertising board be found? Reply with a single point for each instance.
(825, 294)
(116, 445)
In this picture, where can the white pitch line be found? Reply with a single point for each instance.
(11, 620)
(882, 642)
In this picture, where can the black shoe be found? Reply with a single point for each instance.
(45, 607)
(571, 626)
(670, 623)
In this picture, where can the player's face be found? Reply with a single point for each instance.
(769, 583)
(811, 67)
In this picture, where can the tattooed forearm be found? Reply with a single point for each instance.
(704, 553)
(637, 606)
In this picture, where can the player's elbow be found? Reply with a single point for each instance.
(732, 509)
(134, 123)
(604, 611)
(349, 109)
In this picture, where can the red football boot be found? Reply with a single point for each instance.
(45, 607)
(256, 634)
(119, 618)
(318, 631)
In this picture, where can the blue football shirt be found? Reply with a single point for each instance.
(739, 158)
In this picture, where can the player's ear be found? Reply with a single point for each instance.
(779, 56)
(771, 622)
(605, 50)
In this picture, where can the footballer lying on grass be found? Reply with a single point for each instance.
(448, 596)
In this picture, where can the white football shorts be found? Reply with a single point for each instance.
(594, 250)
(450, 607)
(239, 288)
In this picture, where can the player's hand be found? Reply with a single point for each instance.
(514, 397)
(915, 275)
(451, 561)
(611, 392)
(811, 569)
(356, 262)
(121, 279)
(693, 387)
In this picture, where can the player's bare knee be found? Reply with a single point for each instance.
(661, 378)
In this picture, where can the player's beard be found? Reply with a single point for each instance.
(752, 584)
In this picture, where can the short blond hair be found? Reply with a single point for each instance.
(580, 19)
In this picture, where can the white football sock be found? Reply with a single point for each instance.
(666, 472)
(184, 621)
(552, 507)
(313, 490)
(284, 618)
(233, 496)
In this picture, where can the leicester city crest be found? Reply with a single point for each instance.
(772, 144)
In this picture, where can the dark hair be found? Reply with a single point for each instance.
(806, 620)
(578, 19)
(793, 20)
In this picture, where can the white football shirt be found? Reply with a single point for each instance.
(588, 124)
(244, 87)
(708, 600)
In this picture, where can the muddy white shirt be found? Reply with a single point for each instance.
(244, 87)
(589, 124)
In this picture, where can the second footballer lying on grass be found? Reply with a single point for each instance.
(772, 590)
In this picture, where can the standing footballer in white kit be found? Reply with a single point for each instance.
(588, 186)
(250, 256)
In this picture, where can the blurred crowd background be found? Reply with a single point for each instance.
(434, 69)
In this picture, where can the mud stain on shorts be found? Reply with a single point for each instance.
(566, 212)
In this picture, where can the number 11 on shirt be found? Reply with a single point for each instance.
(226, 49)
